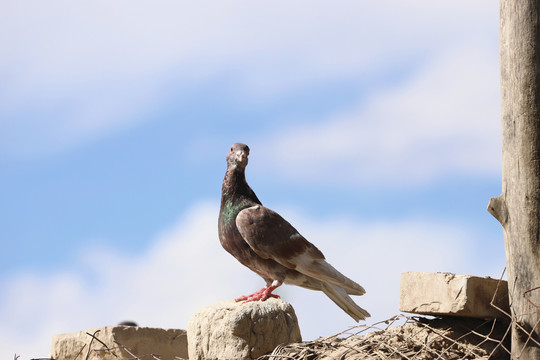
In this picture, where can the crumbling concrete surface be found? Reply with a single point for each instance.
(445, 294)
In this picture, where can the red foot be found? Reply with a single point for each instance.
(261, 295)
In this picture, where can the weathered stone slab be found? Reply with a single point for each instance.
(120, 342)
(229, 330)
(443, 294)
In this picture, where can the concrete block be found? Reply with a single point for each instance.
(120, 342)
(445, 294)
(232, 331)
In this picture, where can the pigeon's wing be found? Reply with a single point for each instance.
(272, 237)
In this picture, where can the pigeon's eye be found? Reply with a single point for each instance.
(232, 148)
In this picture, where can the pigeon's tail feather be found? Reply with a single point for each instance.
(323, 271)
(344, 301)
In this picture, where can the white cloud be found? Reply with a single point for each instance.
(186, 269)
(443, 121)
(73, 72)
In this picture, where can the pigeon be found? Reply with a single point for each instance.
(266, 243)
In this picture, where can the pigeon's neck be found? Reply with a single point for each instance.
(235, 187)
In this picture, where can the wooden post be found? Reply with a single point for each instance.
(518, 208)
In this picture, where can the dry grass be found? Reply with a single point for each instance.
(404, 337)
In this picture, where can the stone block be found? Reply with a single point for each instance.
(120, 342)
(443, 294)
(231, 330)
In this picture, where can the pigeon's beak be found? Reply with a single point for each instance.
(240, 155)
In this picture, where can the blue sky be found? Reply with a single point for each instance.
(373, 128)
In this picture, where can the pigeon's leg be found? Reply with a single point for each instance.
(268, 293)
(261, 294)
(246, 297)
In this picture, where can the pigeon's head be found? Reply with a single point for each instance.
(238, 156)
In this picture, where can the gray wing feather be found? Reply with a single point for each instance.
(271, 236)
